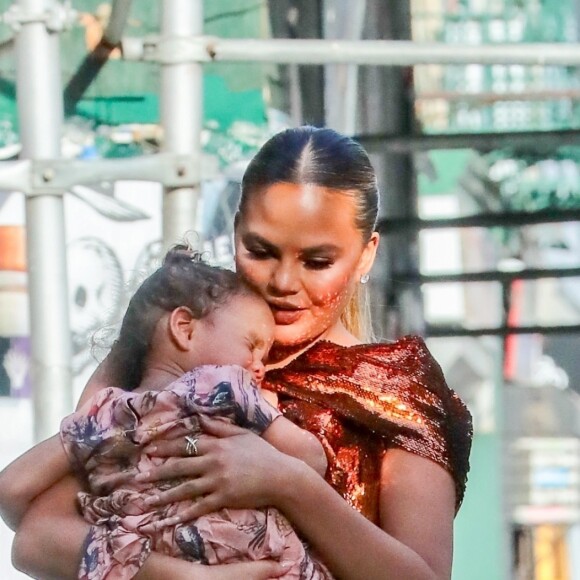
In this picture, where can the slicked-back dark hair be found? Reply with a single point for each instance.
(325, 158)
(316, 156)
(183, 279)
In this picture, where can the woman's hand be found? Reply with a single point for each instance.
(233, 468)
(160, 567)
(262, 570)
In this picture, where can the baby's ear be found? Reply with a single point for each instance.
(181, 327)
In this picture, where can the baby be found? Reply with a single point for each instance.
(192, 342)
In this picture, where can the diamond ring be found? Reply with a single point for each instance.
(191, 446)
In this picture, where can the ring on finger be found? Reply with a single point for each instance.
(191, 449)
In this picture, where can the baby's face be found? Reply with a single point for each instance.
(239, 332)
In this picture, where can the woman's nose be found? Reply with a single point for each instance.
(284, 280)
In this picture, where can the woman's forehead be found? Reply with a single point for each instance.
(309, 210)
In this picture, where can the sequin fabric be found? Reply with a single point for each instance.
(364, 399)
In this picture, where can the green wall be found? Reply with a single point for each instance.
(480, 544)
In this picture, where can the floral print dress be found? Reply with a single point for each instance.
(104, 442)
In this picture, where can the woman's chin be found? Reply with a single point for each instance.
(292, 335)
(296, 336)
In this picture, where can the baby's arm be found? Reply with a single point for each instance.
(290, 439)
(30, 475)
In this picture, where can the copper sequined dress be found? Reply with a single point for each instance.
(362, 400)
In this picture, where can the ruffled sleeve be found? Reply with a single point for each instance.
(114, 423)
(230, 392)
(86, 432)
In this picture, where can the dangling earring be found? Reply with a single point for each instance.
(364, 278)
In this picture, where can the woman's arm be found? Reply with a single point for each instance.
(239, 469)
(49, 542)
(49, 539)
(29, 476)
(42, 466)
(417, 506)
(51, 532)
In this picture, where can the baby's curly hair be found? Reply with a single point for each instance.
(183, 279)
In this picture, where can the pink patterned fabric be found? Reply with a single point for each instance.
(105, 441)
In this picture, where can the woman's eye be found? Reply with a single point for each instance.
(318, 264)
(259, 254)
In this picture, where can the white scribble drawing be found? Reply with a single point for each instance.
(97, 294)
(16, 364)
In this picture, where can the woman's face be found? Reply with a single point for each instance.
(298, 245)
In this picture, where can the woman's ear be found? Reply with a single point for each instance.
(368, 255)
(181, 327)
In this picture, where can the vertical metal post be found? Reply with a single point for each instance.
(384, 104)
(299, 90)
(40, 109)
(342, 20)
(181, 115)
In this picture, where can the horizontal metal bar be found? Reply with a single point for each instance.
(433, 331)
(56, 16)
(491, 276)
(489, 97)
(15, 175)
(534, 140)
(393, 53)
(56, 176)
(363, 52)
(488, 220)
(6, 46)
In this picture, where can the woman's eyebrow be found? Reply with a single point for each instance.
(252, 238)
(326, 249)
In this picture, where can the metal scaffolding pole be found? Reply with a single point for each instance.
(391, 52)
(40, 115)
(93, 62)
(529, 140)
(118, 20)
(363, 52)
(181, 115)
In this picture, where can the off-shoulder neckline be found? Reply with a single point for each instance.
(361, 347)
(410, 338)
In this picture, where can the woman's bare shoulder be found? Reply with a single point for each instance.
(98, 380)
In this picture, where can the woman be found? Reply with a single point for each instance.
(397, 439)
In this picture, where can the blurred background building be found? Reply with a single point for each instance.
(480, 180)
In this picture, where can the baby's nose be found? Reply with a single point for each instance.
(258, 370)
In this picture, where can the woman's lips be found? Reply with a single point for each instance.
(284, 317)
